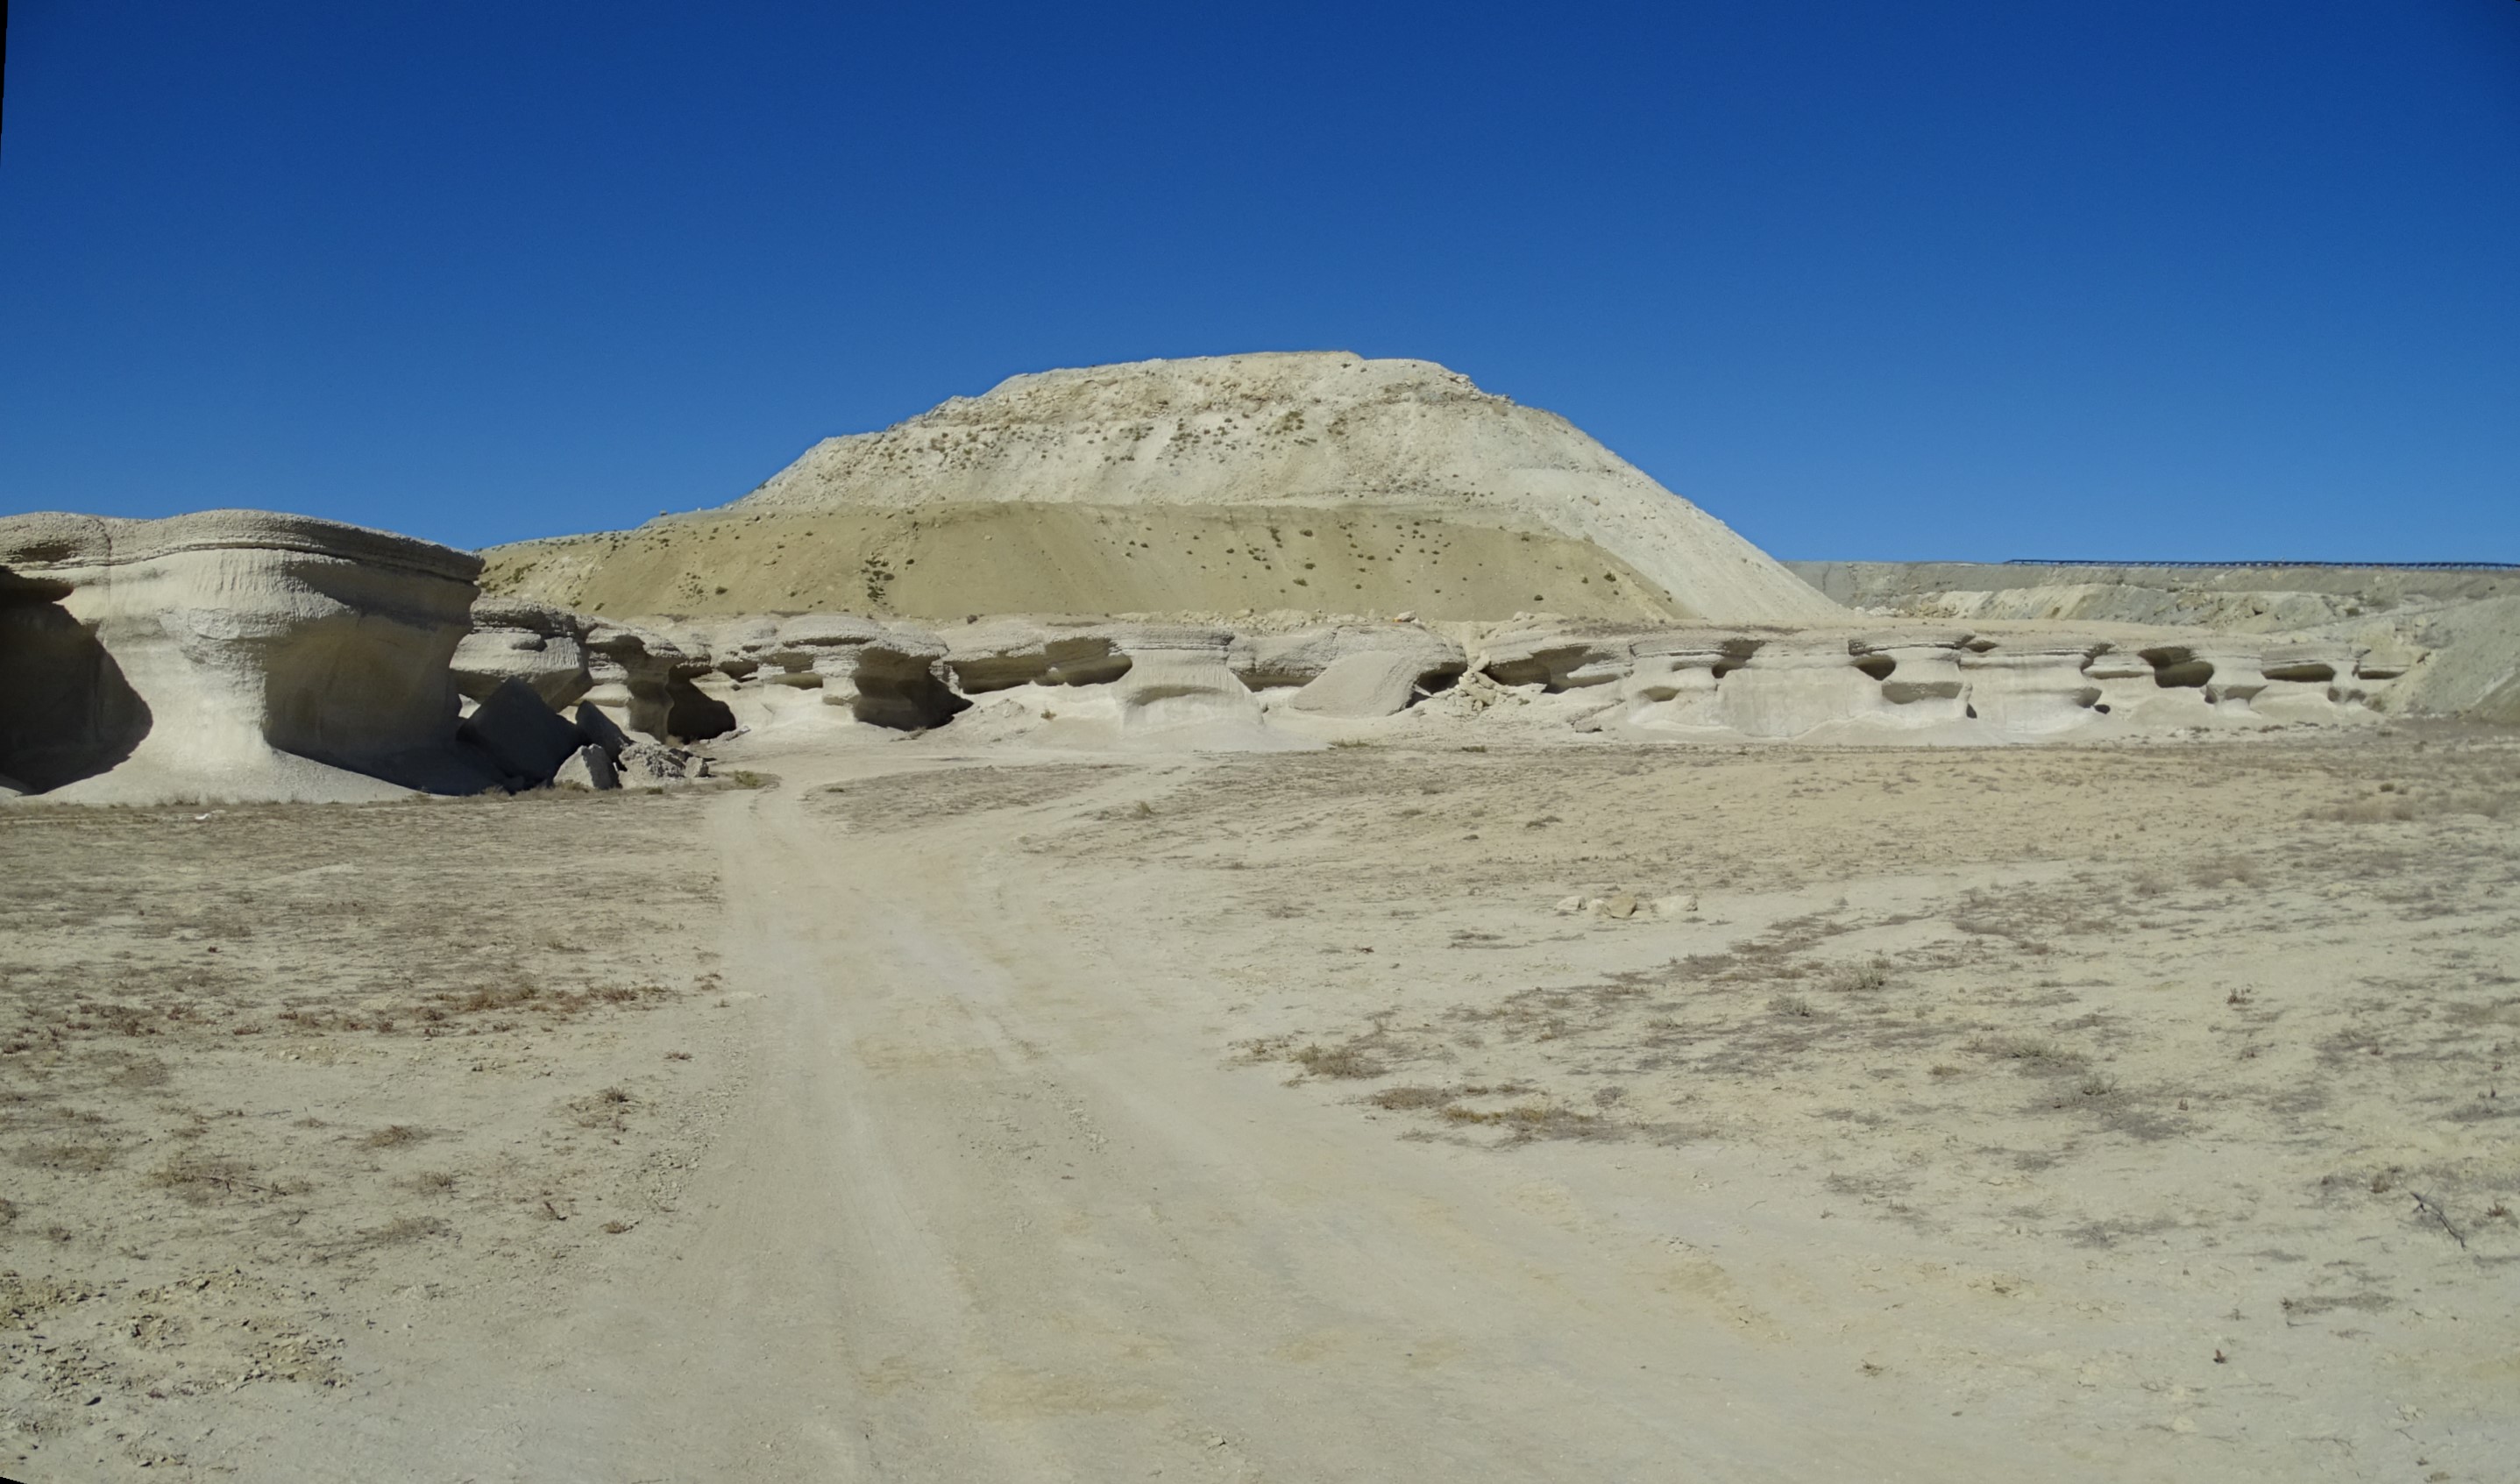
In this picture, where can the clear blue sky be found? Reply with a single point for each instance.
(2166, 278)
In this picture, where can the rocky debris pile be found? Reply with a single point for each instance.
(532, 745)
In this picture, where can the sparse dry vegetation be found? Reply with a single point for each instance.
(216, 1028)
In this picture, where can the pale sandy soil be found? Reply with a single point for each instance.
(2054, 1113)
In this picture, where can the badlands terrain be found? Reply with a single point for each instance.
(1269, 918)
(1542, 1112)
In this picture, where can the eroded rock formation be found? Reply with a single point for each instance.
(229, 655)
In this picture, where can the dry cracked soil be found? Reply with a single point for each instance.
(1516, 1113)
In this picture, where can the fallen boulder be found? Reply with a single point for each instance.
(526, 739)
(588, 768)
(1368, 682)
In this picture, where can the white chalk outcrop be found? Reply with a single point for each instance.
(1957, 684)
(229, 655)
(514, 639)
(886, 676)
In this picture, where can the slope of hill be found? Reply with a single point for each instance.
(1304, 480)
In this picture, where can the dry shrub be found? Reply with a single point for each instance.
(2033, 1050)
(1860, 978)
(1344, 1062)
(200, 1178)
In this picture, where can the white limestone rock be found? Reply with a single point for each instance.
(229, 655)
(588, 768)
(1366, 684)
(649, 679)
(1558, 656)
(1298, 656)
(1178, 678)
(1001, 653)
(526, 740)
(513, 639)
(1793, 684)
(1920, 672)
(2030, 686)
(1673, 678)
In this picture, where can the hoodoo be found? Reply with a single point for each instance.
(1316, 480)
(229, 655)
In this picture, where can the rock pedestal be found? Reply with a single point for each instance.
(230, 656)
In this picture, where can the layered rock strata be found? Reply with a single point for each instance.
(229, 655)
(1315, 482)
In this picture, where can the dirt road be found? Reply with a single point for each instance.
(992, 1210)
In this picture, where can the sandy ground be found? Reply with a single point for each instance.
(1569, 1112)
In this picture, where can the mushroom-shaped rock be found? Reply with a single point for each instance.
(1561, 656)
(513, 639)
(229, 655)
(2224, 667)
(879, 673)
(1001, 653)
(2309, 680)
(733, 647)
(1178, 677)
(647, 678)
(2127, 682)
(1919, 671)
(2026, 687)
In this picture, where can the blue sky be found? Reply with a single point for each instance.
(1921, 279)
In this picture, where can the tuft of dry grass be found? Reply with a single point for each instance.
(2032, 1051)
(200, 1178)
(1860, 978)
(1342, 1062)
(394, 1135)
